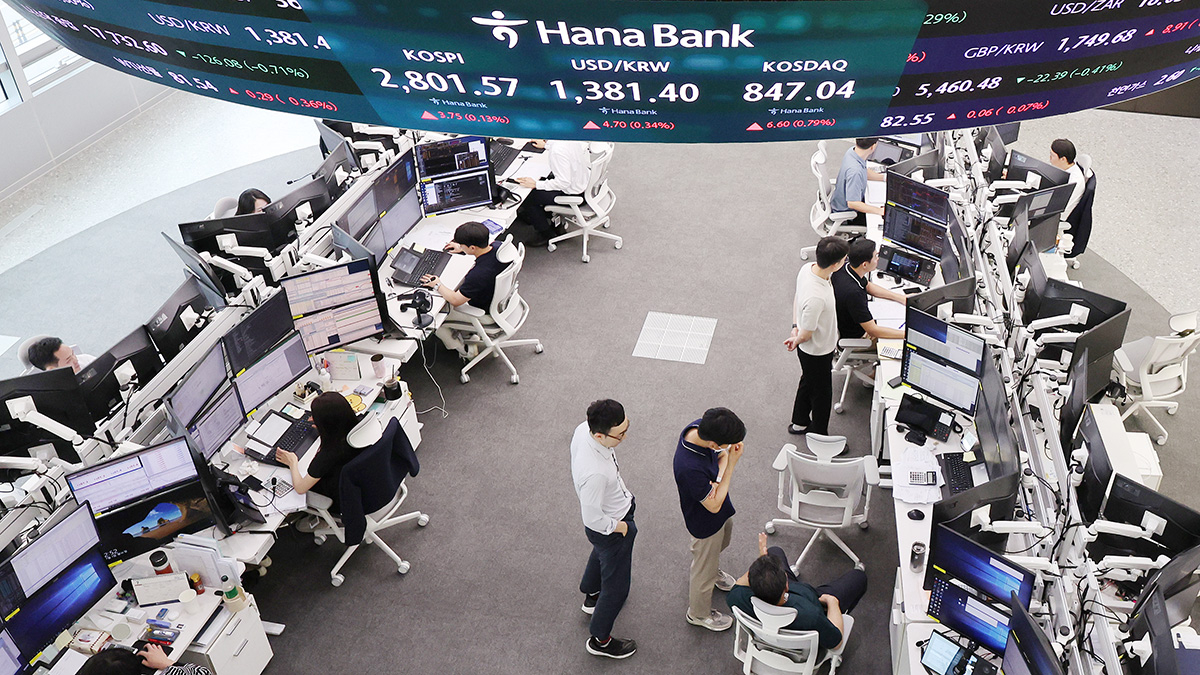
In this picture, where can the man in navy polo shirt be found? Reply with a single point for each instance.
(707, 454)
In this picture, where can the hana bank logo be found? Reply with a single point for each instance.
(502, 28)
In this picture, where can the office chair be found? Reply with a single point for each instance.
(763, 644)
(856, 358)
(493, 330)
(224, 208)
(1080, 219)
(824, 221)
(589, 210)
(372, 489)
(823, 492)
(1154, 370)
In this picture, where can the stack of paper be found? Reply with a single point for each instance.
(913, 459)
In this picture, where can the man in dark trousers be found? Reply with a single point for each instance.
(607, 508)
(814, 337)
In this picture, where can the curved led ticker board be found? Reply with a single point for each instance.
(645, 70)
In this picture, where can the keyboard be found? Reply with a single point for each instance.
(410, 266)
(296, 440)
(501, 156)
(957, 473)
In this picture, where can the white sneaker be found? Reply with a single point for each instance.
(725, 581)
(715, 621)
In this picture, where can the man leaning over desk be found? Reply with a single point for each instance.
(852, 288)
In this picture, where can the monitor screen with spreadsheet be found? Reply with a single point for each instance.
(217, 424)
(10, 655)
(279, 368)
(198, 386)
(949, 343)
(337, 305)
(39, 561)
(122, 480)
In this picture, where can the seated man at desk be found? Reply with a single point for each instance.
(334, 418)
(116, 661)
(477, 287)
(851, 287)
(570, 171)
(850, 190)
(771, 580)
(50, 353)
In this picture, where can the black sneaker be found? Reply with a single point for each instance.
(589, 603)
(615, 649)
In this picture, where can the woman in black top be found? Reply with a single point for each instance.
(252, 201)
(334, 418)
(116, 661)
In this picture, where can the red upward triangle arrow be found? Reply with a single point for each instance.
(590, 125)
(1151, 32)
(233, 91)
(754, 127)
(952, 117)
(428, 116)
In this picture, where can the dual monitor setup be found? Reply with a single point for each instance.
(921, 231)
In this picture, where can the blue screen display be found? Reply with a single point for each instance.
(59, 604)
(953, 556)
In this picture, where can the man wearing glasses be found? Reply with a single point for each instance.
(607, 508)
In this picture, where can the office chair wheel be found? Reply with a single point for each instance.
(318, 539)
(1172, 410)
(605, 226)
(864, 526)
(1074, 264)
(551, 247)
(336, 579)
(266, 562)
(423, 519)
(618, 244)
(837, 408)
(403, 567)
(464, 378)
(586, 258)
(538, 348)
(514, 380)
(1161, 440)
(769, 528)
(803, 254)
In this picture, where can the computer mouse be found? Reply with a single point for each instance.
(916, 514)
(504, 141)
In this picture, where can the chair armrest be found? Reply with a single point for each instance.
(1124, 365)
(840, 216)
(317, 501)
(871, 467)
(856, 344)
(780, 463)
(470, 310)
(568, 200)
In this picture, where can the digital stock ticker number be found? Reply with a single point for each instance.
(635, 70)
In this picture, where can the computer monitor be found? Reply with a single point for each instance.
(917, 197)
(11, 662)
(98, 382)
(343, 242)
(314, 192)
(396, 181)
(970, 585)
(279, 368)
(59, 604)
(1096, 346)
(1177, 583)
(1047, 202)
(1097, 470)
(888, 152)
(361, 215)
(1021, 165)
(217, 424)
(1150, 621)
(451, 157)
(253, 229)
(961, 293)
(330, 137)
(998, 496)
(455, 193)
(1074, 403)
(948, 343)
(995, 423)
(166, 327)
(55, 394)
(913, 232)
(341, 157)
(197, 387)
(337, 305)
(246, 342)
(1030, 261)
(1060, 295)
(939, 380)
(962, 247)
(990, 138)
(929, 163)
(204, 273)
(1028, 650)
(69, 534)
(1009, 131)
(146, 498)
(1129, 501)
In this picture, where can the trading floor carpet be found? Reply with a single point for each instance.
(493, 584)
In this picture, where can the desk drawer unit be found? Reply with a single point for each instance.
(241, 648)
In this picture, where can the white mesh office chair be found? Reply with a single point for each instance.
(766, 647)
(225, 207)
(821, 491)
(591, 209)
(824, 221)
(23, 353)
(856, 359)
(1154, 370)
(493, 330)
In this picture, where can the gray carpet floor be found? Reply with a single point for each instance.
(493, 585)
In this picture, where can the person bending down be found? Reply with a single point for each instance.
(770, 579)
(116, 661)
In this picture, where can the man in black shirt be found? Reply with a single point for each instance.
(477, 288)
(852, 285)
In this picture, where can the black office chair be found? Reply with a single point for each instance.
(372, 490)
(1081, 221)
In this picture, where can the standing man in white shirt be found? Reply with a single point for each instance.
(814, 337)
(570, 170)
(1062, 156)
(607, 509)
